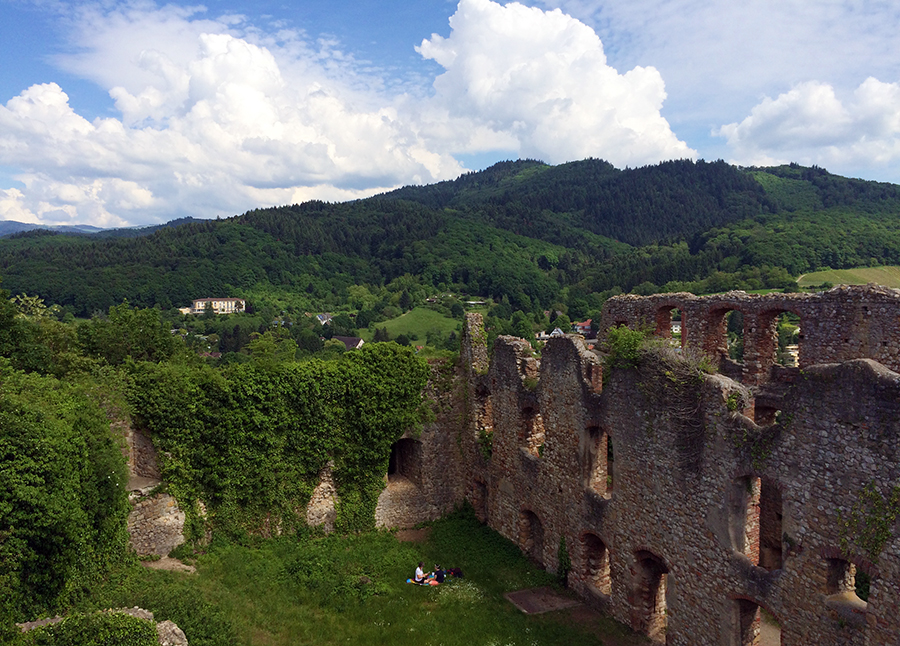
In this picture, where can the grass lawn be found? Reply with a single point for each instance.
(419, 322)
(888, 276)
(352, 590)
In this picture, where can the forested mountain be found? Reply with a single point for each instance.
(535, 234)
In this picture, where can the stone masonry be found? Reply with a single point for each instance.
(682, 515)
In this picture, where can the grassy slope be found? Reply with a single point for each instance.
(419, 322)
(887, 276)
(353, 590)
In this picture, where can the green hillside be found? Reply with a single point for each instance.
(538, 236)
(887, 276)
(420, 323)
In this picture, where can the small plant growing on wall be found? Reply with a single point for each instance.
(871, 520)
(485, 443)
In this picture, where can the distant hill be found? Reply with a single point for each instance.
(525, 233)
(11, 227)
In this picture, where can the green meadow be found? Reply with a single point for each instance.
(889, 276)
(333, 590)
(418, 322)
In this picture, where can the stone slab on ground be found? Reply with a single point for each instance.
(534, 601)
(170, 564)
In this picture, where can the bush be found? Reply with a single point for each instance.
(623, 347)
(99, 629)
(63, 504)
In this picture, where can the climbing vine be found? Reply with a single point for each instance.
(870, 521)
(250, 441)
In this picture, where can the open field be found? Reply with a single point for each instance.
(419, 322)
(352, 590)
(889, 276)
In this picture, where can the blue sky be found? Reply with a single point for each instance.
(127, 113)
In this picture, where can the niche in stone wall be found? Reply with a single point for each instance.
(648, 612)
(750, 620)
(755, 521)
(847, 590)
(532, 433)
(479, 500)
(406, 461)
(599, 462)
(596, 563)
(531, 536)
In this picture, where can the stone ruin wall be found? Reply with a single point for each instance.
(425, 477)
(703, 515)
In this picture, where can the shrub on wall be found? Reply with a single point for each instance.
(99, 629)
(251, 440)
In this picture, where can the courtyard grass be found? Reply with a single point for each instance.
(352, 590)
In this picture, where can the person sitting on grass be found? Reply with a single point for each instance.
(420, 577)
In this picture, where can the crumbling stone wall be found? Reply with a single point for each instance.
(155, 524)
(425, 476)
(846, 322)
(699, 516)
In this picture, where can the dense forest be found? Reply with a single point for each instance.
(536, 235)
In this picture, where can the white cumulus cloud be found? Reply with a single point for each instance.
(215, 116)
(811, 124)
(538, 82)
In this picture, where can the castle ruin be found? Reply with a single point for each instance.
(688, 501)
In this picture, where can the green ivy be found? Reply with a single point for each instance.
(251, 440)
(63, 504)
(871, 520)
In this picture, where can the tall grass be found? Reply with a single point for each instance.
(352, 590)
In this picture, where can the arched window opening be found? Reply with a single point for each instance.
(755, 521)
(669, 325)
(734, 330)
(599, 476)
(532, 432)
(649, 615)
(726, 341)
(787, 331)
(406, 461)
(755, 625)
(779, 341)
(531, 536)
(596, 564)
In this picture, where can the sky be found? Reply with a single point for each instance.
(134, 113)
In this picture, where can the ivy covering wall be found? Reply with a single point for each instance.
(250, 441)
(63, 504)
